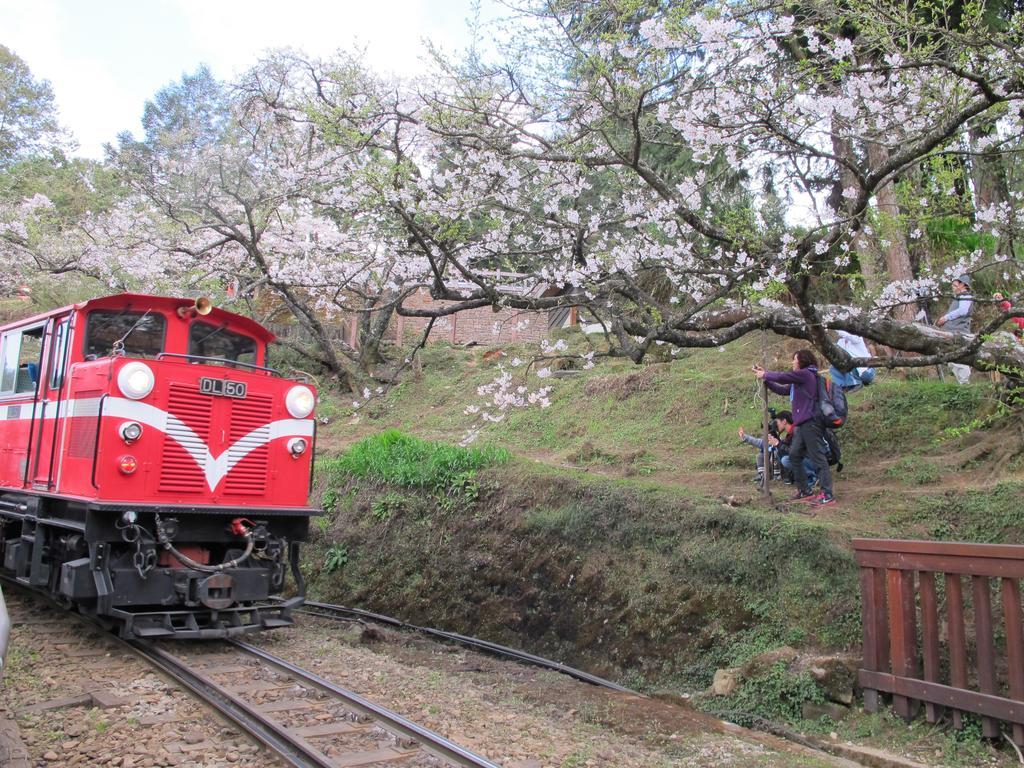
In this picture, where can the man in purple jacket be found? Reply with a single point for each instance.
(808, 438)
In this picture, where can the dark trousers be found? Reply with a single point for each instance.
(809, 441)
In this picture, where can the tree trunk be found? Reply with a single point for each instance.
(988, 177)
(893, 239)
(373, 327)
(843, 147)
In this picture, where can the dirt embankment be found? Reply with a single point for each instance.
(650, 587)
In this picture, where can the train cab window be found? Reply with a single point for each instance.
(19, 360)
(59, 354)
(139, 334)
(215, 341)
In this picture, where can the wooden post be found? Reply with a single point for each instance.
(930, 638)
(1014, 647)
(874, 624)
(986, 648)
(765, 448)
(903, 635)
(957, 639)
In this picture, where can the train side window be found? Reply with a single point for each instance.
(59, 359)
(9, 362)
(19, 367)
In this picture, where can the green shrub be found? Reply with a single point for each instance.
(387, 505)
(776, 694)
(399, 459)
(336, 558)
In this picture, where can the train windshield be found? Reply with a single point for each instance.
(138, 334)
(221, 345)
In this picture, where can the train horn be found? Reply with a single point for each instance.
(201, 306)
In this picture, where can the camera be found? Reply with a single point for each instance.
(773, 430)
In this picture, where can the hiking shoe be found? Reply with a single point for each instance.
(802, 495)
(822, 499)
(759, 480)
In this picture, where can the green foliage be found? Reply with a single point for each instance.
(329, 501)
(387, 505)
(909, 416)
(956, 236)
(336, 558)
(399, 459)
(776, 694)
(28, 111)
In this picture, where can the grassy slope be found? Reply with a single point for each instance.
(625, 535)
(673, 425)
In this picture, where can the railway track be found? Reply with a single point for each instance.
(307, 720)
(343, 613)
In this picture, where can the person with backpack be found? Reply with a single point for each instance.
(808, 429)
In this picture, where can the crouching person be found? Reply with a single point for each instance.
(780, 435)
(784, 425)
(808, 433)
(773, 453)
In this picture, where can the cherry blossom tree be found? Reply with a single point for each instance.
(550, 164)
(683, 174)
(267, 203)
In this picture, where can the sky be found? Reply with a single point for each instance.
(106, 58)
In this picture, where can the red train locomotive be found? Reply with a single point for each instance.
(153, 470)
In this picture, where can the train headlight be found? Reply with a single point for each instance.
(127, 465)
(130, 431)
(136, 380)
(300, 401)
(297, 446)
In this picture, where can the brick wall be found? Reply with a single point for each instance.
(482, 325)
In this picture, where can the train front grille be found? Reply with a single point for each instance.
(183, 466)
(190, 438)
(248, 451)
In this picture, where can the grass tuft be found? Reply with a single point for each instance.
(398, 459)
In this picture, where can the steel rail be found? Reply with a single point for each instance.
(333, 612)
(266, 731)
(432, 742)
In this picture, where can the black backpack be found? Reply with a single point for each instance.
(832, 450)
(831, 407)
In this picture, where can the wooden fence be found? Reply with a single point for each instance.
(964, 658)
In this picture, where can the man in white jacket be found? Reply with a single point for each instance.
(958, 320)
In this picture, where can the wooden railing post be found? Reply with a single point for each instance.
(957, 641)
(1014, 647)
(930, 638)
(874, 621)
(986, 650)
(902, 634)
